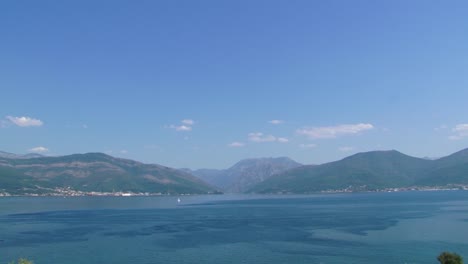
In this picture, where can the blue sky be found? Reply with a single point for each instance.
(203, 84)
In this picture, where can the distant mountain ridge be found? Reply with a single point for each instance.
(93, 172)
(245, 173)
(370, 171)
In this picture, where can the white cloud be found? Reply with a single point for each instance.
(276, 122)
(260, 137)
(182, 128)
(460, 130)
(333, 131)
(307, 146)
(123, 151)
(345, 149)
(24, 121)
(236, 144)
(188, 122)
(186, 125)
(39, 150)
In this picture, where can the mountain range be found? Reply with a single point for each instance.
(98, 172)
(245, 174)
(370, 171)
(92, 172)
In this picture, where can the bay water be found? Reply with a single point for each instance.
(386, 228)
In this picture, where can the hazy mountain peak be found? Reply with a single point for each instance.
(246, 173)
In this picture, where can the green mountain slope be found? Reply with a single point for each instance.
(94, 172)
(370, 171)
(452, 169)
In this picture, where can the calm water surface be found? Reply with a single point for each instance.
(410, 227)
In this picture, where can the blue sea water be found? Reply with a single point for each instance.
(405, 227)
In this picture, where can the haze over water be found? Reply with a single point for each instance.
(407, 227)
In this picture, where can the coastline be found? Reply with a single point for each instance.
(68, 192)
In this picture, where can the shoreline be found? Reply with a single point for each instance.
(67, 192)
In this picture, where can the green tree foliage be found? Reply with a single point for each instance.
(450, 258)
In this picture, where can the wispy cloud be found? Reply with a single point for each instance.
(236, 144)
(181, 128)
(307, 146)
(39, 150)
(188, 122)
(123, 151)
(276, 122)
(24, 121)
(333, 131)
(460, 131)
(186, 125)
(259, 137)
